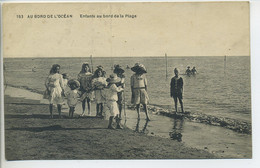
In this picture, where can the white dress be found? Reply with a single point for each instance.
(54, 83)
(72, 98)
(98, 85)
(111, 98)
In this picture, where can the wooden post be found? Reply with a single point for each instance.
(166, 65)
(91, 64)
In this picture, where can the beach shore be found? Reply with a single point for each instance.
(31, 135)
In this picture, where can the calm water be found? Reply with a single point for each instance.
(217, 89)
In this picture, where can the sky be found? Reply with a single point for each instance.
(177, 29)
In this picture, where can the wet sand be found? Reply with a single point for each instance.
(31, 135)
(218, 141)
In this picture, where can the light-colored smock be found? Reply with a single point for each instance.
(111, 98)
(54, 83)
(85, 80)
(72, 98)
(139, 94)
(98, 85)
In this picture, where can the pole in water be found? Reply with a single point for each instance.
(225, 61)
(91, 63)
(166, 65)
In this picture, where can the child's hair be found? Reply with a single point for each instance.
(176, 70)
(83, 68)
(53, 68)
(65, 76)
(73, 86)
(99, 70)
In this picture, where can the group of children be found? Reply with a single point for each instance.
(96, 86)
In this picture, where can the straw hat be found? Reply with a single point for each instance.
(100, 67)
(74, 82)
(118, 69)
(113, 79)
(139, 68)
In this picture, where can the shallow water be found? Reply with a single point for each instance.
(218, 89)
(217, 140)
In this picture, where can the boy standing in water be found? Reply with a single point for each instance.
(177, 89)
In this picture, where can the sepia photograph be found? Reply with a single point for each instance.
(126, 81)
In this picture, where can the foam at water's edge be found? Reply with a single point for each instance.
(235, 125)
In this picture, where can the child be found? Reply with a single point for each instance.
(139, 89)
(54, 87)
(118, 70)
(98, 84)
(65, 84)
(85, 78)
(72, 96)
(111, 99)
(177, 89)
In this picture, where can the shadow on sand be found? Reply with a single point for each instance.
(50, 128)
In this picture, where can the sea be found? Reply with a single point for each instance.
(222, 86)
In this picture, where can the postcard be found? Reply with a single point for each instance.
(126, 81)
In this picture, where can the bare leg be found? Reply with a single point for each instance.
(59, 110)
(72, 111)
(175, 103)
(101, 109)
(50, 107)
(97, 109)
(120, 110)
(138, 110)
(146, 112)
(181, 103)
(118, 122)
(110, 122)
(83, 107)
(88, 101)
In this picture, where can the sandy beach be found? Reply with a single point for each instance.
(31, 135)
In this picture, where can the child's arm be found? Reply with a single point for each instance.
(116, 89)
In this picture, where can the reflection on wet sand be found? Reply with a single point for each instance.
(176, 134)
(144, 130)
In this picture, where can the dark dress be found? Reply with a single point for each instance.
(176, 87)
(120, 94)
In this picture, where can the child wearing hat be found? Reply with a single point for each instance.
(177, 89)
(139, 89)
(111, 100)
(99, 83)
(119, 71)
(72, 96)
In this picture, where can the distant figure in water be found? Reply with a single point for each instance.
(34, 69)
(139, 89)
(54, 85)
(177, 89)
(194, 71)
(188, 71)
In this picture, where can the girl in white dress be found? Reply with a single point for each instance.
(111, 100)
(98, 84)
(54, 85)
